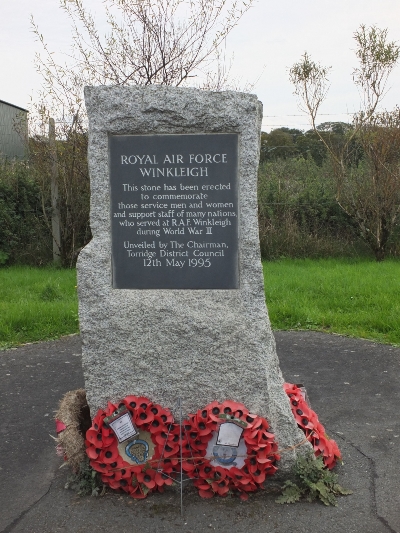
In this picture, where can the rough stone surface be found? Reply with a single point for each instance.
(200, 345)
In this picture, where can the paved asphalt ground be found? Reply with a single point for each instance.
(353, 385)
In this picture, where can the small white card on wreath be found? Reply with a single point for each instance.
(123, 427)
(229, 434)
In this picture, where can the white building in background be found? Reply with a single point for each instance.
(13, 143)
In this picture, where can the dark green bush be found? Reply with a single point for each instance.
(298, 214)
(72, 178)
(24, 237)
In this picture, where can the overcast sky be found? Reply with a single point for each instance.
(268, 40)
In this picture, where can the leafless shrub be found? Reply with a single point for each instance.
(366, 166)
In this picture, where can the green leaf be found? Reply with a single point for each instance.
(291, 493)
(86, 481)
(313, 481)
(324, 494)
(340, 490)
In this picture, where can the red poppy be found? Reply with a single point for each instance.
(131, 402)
(220, 487)
(252, 464)
(250, 420)
(112, 483)
(171, 449)
(60, 426)
(167, 464)
(308, 421)
(101, 438)
(205, 470)
(95, 437)
(229, 407)
(251, 436)
(174, 436)
(92, 452)
(206, 493)
(158, 425)
(162, 437)
(111, 408)
(98, 421)
(185, 447)
(251, 486)
(99, 467)
(147, 478)
(220, 472)
(163, 478)
(136, 491)
(204, 426)
(109, 454)
(238, 476)
(123, 472)
(188, 425)
(143, 402)
(215, 409)
(263, 456)
(259, 476)
(202, 484)
(188, 466)
(143, 416)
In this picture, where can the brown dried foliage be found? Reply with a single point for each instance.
(74, 413)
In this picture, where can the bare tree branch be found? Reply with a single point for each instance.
(368, 190)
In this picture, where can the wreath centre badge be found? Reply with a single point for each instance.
(226, 447)
(138, 449)
(225, 455)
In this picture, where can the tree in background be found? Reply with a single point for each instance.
(68, 160)
(367, 164)
(370, 189)
(164, 42)
(298, 214)
(279, 143)
(292, 142)
(22, 235)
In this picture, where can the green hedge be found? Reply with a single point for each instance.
(298, 214)
(24, 238)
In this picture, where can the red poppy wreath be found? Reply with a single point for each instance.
(134, 445)
(225, 448)
(314, 431)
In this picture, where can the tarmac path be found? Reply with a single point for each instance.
(353, 385)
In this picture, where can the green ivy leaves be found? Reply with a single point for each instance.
(313, 481)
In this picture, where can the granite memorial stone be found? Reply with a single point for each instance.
(171, 294)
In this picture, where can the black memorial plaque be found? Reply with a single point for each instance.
(174, 211)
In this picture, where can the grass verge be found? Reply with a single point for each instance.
(36, 304)
(359, 298)
(355, 298)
